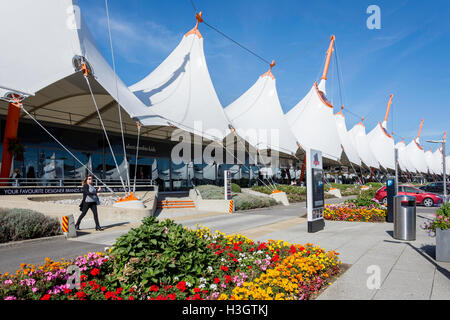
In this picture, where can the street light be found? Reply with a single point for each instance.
(443, 163)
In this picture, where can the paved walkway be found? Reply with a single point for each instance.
(407, 270)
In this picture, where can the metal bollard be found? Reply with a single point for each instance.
(68, 226)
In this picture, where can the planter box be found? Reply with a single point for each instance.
(443, 245)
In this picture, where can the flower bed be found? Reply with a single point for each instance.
(352, 213)
(164, 261)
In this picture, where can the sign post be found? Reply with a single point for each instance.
(227, 191)
(227, 182)
(315, 190)
(391, 188)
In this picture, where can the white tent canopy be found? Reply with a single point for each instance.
(56, 36)
(416, 156)
(359, 138)
(382, 146)
(382, 143)
(258, 118)
(429, 161)
(181, 91)
(437, 162)
(346, 141)
(312, 120)
(313, 123)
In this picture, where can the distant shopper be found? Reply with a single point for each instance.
(31, 176)
(90, 201)
(15, 176)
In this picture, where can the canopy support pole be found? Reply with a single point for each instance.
(11, 129)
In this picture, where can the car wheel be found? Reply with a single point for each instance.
(428, 202)
(384, 201)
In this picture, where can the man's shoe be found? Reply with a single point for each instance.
(77, 227)
(99, 229)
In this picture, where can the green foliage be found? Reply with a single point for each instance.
(247, 201)
(159, 252)
(243, 201)
(210, 192)
(235, 188)
(444, 210)
(21, 224)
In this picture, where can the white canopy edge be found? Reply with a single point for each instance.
(54, 33)
(257, 117)
(180, 90)
(313, 123)
(346, 141)
(417, 157)
(359, 138)
(382, 146)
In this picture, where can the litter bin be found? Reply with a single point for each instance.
(405, 218)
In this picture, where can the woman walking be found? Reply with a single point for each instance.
(90, 201)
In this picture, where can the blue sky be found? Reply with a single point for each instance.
(408, 56)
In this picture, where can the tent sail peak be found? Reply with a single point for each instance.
(195, 30)
(269, 73)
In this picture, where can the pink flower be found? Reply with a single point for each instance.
(11, 298)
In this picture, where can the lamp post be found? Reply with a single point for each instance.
(444, 167)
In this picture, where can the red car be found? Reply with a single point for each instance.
(422, 198)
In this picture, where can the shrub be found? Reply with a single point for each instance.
(235, 188)
(243, 201)
(248, 201)
(21, 224)
(159, 252)
(210, 192)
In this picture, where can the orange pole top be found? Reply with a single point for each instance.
(420, 129)
(195, 31)
(388, 108)
(445, 135)
(327, 63)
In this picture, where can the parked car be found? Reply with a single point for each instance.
(436, 187)
(428, 199)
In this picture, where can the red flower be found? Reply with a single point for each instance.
(216, 280)
(197, 290)
(67, 291)
(197, 296)
(154, 288)
(46, 297)
(95, 272)
(181, 286)
(223, 268)
(249, 267)
(161, 297)
(172, 296)
(83, 277)
(81, 295)
(205, 292)
(275, 258)
(131, 290)
(119, 290)
(109, 295)
(293, 250)
(130, 298)
(103, 289)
